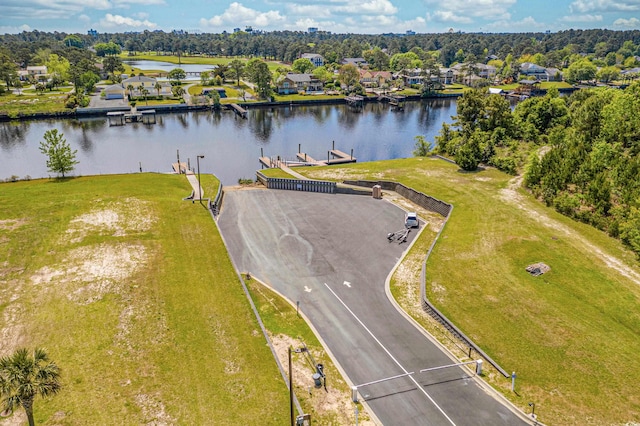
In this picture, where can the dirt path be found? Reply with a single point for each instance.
(512, 196)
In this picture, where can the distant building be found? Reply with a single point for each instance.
(358, 62)
(236, 30)
(312, 30)
(316, 60)
(92, 33)
(410, 32)
(540, 73)
(248, 29)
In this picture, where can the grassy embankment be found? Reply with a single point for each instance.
(331, 407)
(571, 335)
(133, 294)
(31, 102)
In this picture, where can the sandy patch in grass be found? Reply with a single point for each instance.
(332, 401)
(12, 332)
(118, 219)
(11, 224)
(512, 196)
(88, 273)
(19, 418)
(154, 411)
(337, 174)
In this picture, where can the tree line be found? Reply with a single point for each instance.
(579, 153)
(289, 45)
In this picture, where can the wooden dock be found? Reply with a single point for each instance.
(182, 168)
(268, 162)
(355, 100)
(238, 110)
(307, 159)
(120, 118)
(334, 156)
(340, 157)
(396, 101)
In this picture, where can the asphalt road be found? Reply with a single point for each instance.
(330, 253)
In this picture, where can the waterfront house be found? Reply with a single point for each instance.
(316, 60)
(138, 82)
(295, 83)
(374, 78)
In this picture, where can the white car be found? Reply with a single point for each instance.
(411, 220)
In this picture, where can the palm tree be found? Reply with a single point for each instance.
(130, 89)
(158, 86)
(145, 93)
(23, 376)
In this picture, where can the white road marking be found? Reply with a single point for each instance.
(307, 289)
(347, 283)
(389, 353)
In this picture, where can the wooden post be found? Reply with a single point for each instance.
(351, 154)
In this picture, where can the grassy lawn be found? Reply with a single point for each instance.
(277, 173)
(300, 97)
(133, 294)
(48, 102)
(571, 335)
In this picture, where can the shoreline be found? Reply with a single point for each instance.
(172, 108)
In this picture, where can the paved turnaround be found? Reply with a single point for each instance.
(330, 253)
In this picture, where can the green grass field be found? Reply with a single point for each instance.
(30, 103)
(571, 335)
(133, 294)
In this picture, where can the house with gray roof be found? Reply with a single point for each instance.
(316, 60)
(292, 83)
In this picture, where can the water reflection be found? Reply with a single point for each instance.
(12, 134)
(231, 145)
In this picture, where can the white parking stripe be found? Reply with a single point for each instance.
(389, 353)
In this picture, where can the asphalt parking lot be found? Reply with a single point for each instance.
(331, 253)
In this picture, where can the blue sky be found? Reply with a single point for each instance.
(337, 16)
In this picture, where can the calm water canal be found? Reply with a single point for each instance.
(231, 145)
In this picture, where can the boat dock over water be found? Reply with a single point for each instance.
(120, 118)
(334, 156)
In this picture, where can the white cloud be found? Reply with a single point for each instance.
(585, 6)
(237, 14)
(463, 11)
(127, 3)
(526, 24)
(84, 18)
(305, 11)
(582, 18)
(449, 16)
(368, 7)
(627, 23)
(6, 29)
(118, 21)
